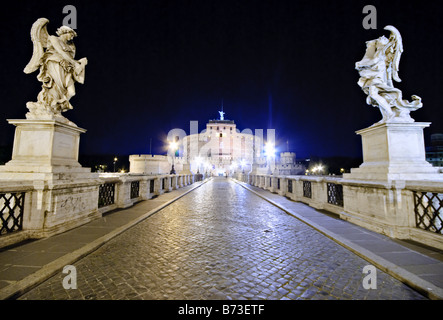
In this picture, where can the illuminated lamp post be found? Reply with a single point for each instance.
(198, 161)
(243, 164)
(115, 161)
(317, 169)
(270, 154)
(173, 146)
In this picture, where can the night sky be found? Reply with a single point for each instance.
(286, 65)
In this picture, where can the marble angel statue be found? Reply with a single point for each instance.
(59, 71)
(378, 69)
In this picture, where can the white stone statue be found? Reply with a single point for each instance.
(54, 56)
(222, 114)
(378, 68)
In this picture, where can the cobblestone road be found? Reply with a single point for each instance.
(221, 242)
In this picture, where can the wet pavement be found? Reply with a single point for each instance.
(221, 241)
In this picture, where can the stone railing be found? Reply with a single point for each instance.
(15, 200)
(400, 209)
(32, 210)
(123, 190)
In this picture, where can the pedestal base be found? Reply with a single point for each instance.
(59, 193)
(394, 151)
(44, 150)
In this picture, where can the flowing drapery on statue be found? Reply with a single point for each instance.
(378, 69)
(59, 71)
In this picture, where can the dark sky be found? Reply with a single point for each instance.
(285, 65)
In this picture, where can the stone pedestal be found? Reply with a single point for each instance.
(44, 149)
(376, 195)
(394, 151)
(60, 193)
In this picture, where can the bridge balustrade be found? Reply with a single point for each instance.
(22, 204)
(402, 209)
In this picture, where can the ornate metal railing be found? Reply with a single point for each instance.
(335, 194)
(307, 189)
(135, 189)
(11, 212)
(428, 207)
(106, 194)
(290, 186)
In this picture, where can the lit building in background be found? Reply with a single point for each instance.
(287, 165)
(220, 149)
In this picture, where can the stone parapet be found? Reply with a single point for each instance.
(41, 208)
(408, 209)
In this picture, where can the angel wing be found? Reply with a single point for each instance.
(39, 36)
(398, 50)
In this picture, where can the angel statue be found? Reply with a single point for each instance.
(378, 68)
(54, 56)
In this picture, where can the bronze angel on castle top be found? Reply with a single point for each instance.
(59, 71)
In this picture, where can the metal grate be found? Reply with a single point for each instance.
(307, 191)
(151, 186)
(278, 183)
(428, 207)
(290, 186)
(163, 183)
(335, 194)
(11, 212)
(106, 194)
(135, 189)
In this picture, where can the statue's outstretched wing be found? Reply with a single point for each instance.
(39, 36)
(398, 50)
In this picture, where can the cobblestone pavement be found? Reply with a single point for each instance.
(221, 242)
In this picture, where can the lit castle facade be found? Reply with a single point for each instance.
(220, 149)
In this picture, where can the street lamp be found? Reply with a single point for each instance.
(269, 149)
(208, 167)
(242, 164)
(270, 153)
(173, 146)
(198, 161)
(115, 160)
(319, 168)
(232, 167)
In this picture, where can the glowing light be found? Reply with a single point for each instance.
(173, 145)
(270, 149)
(318, 168)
